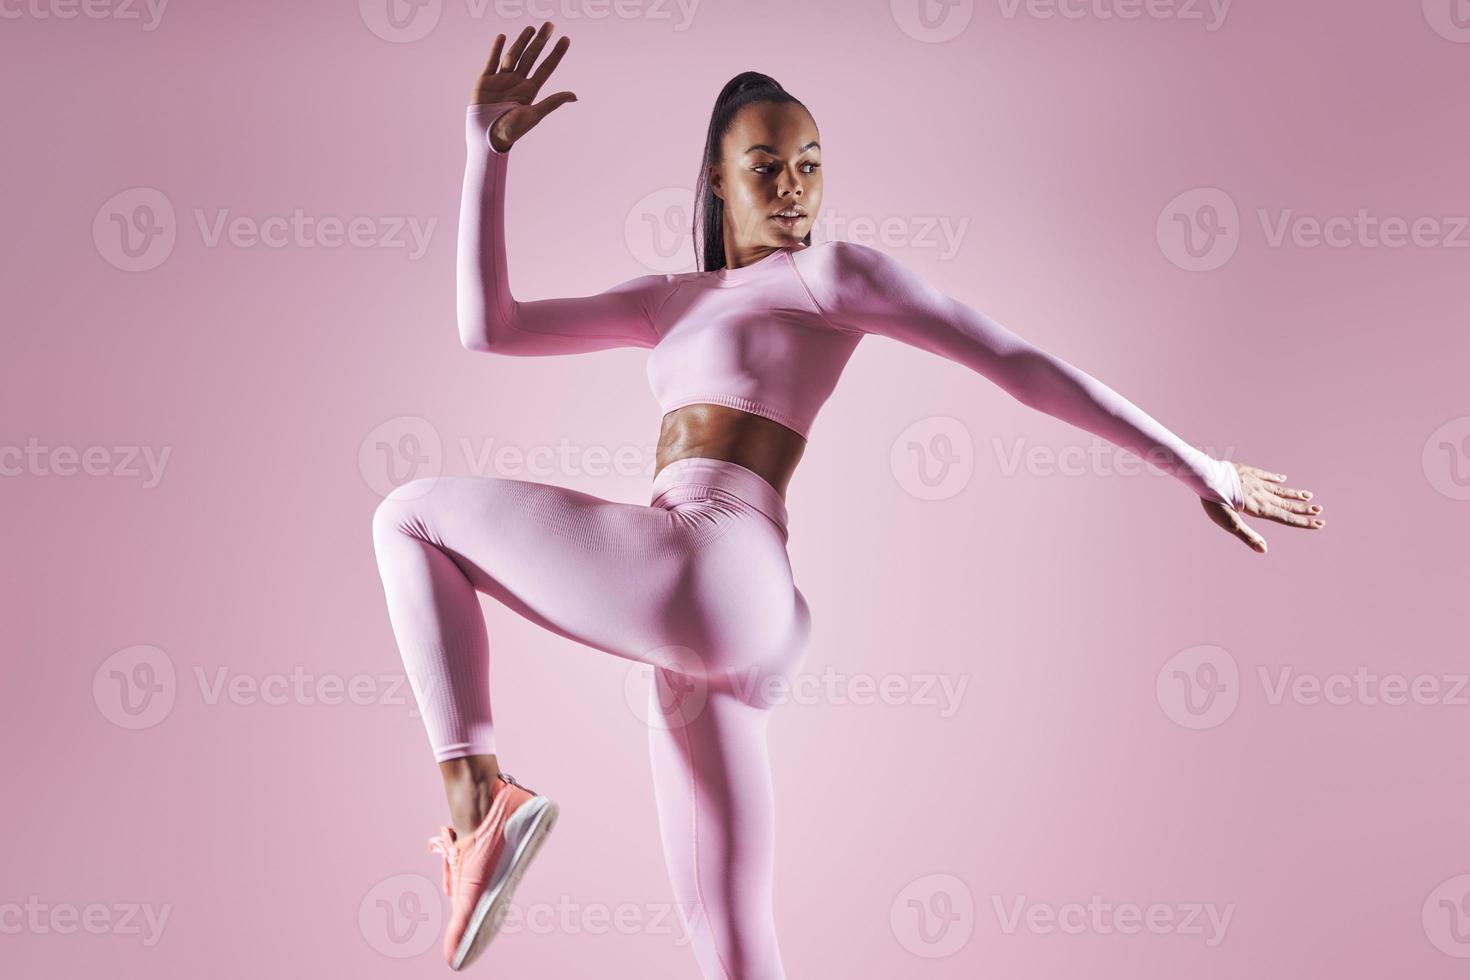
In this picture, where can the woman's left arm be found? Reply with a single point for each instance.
(863, 290)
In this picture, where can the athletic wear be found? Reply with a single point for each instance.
(703, 566)
(481, 871)
(772, 338)
(698, 581)
(697, 585)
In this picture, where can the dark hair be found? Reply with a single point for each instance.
(709, 211)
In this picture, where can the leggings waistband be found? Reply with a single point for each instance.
(682, 480)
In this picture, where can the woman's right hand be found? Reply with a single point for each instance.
(509, 79)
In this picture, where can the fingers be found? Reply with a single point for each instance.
(552, 60)
(529, 56)
(1289, 505)
(1267, 475)
(1281, 503)
(494, 62)
(1291, 492)
(522, 56)
(544, 107)
(517, 63)
(513, 56)
(1246, 533)
(1283, 516)
(1231, 520)
(1296, 506)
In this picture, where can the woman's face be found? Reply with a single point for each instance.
(772, 164)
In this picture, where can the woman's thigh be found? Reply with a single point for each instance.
(702, 585)
(592, 570)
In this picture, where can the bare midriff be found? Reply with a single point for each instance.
(716, 432)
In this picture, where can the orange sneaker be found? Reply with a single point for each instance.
(481, 871)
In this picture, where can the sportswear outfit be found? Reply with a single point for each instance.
(697, 583)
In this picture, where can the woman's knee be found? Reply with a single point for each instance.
(404, 505)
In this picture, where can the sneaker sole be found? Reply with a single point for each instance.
(493, 905)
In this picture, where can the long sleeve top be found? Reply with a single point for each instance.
(772, 337)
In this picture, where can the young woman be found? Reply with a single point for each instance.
(697, 583)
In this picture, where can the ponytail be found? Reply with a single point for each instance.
(709, 211)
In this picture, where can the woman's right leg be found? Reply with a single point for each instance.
(646, 583)
(592, 570)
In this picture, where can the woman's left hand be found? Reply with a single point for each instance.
(1266, 495)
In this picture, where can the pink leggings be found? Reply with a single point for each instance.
(697, 584)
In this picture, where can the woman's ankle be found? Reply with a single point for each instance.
(470, 783)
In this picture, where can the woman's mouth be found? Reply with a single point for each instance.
(788, 219)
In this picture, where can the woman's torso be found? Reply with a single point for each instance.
(717, 432)
(744, 362)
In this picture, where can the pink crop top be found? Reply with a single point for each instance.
(772, 338)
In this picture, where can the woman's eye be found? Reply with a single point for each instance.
(764, 167)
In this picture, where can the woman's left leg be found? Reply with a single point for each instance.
(716, 810)
(708, 746)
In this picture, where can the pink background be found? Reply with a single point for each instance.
(1073, 766)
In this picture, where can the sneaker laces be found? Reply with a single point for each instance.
(444, 843)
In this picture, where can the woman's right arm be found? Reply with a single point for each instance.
(490, 319)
